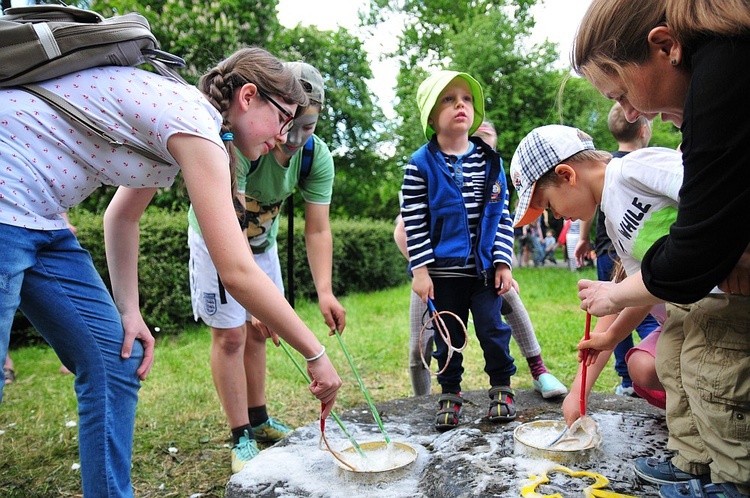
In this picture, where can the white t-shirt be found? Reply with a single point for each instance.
(640, 198)
(50, 164)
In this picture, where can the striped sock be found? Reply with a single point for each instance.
(536, 365)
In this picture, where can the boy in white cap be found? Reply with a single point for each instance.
(459, 237)
(557, 167)
(238, 346)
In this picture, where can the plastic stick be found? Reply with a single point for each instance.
(586, 336)
(333, 413)
(363, 388)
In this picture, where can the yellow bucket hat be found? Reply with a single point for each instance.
(430, 89)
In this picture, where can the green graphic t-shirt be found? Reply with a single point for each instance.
(266, 187)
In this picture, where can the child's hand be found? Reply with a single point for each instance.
(589, 358)
(571, 406)
(598, 343)
(325, 382)
(422, 284)
(265, 331)
(503, 279)
(515, 286)
(603, 341)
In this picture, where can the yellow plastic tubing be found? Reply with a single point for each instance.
(596, 490)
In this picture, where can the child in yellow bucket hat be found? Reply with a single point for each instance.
(460, 238)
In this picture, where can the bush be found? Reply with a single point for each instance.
(365, 259)
(164, 283)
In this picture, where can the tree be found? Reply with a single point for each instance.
(349, 117)
(485, 38)
(351, 124)
(520, 83)
(202, 32)
(585, 108)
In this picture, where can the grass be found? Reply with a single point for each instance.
(179, 408)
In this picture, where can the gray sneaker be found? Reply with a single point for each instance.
(663, 472)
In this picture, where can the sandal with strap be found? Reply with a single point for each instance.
(696, 489)
(449, 414)
(502, 406)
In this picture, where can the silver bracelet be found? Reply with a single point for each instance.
(317, 356)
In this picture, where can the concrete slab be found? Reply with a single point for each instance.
(475, 460)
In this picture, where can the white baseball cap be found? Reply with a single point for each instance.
(540, 151)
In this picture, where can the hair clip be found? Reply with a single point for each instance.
(227, 137)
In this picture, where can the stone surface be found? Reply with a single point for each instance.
(475, 460)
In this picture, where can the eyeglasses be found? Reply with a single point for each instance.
(289, 122)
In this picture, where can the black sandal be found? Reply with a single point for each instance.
(502, 406)
(449, 414)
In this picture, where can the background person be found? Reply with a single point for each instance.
(550, 245)
(571, 241)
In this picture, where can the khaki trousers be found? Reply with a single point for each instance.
(703, 361)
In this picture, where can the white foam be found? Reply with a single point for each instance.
(379, 459)
(301, 466)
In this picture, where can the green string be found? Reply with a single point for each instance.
(333, 413)
(364, 389)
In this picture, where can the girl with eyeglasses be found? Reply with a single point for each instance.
(51, 164)
(238, 338)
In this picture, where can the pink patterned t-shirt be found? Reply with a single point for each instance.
(50, 164)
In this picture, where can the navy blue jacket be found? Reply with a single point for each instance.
(447, 216)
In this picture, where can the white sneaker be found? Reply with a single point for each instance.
(625, 391)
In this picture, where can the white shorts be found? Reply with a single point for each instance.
(211, 302)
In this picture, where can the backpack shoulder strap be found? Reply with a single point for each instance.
(76, 115)
(308, 154)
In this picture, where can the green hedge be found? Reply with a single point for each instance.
(365, 259)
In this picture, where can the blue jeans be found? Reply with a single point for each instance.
(52, 280)
(459, 295)
(604, 267)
